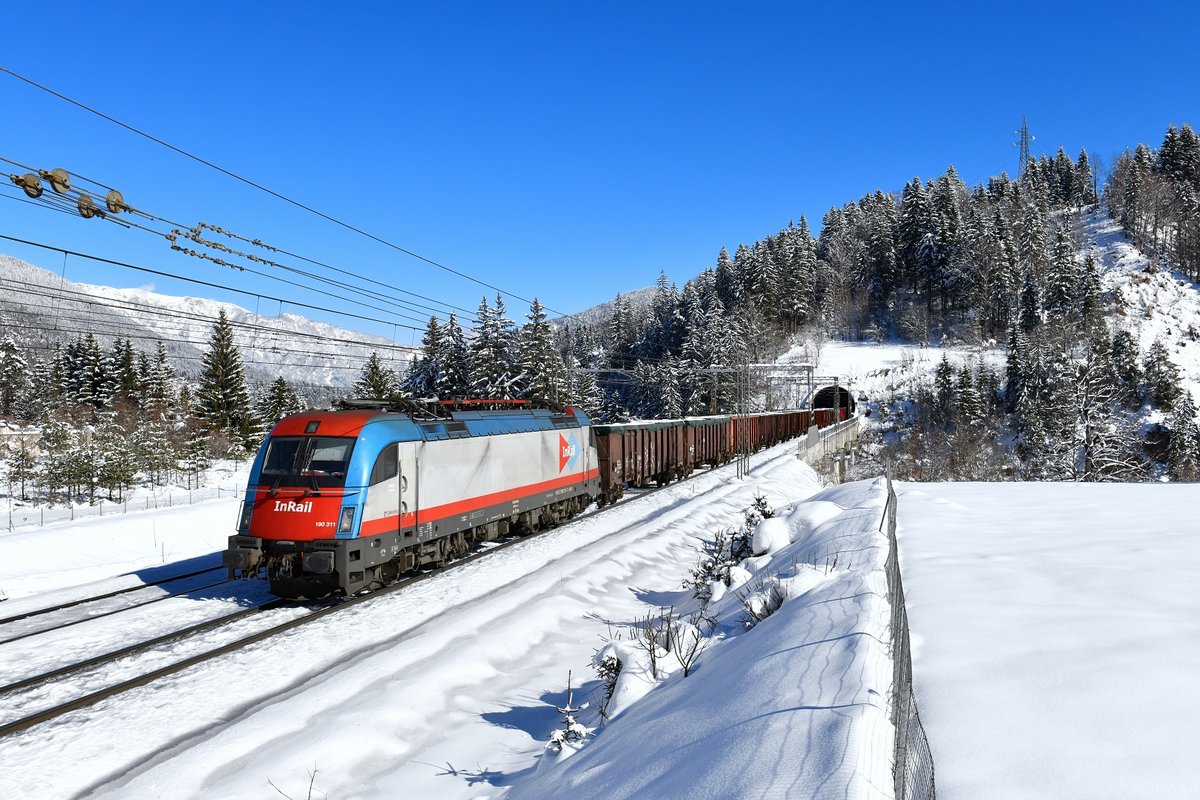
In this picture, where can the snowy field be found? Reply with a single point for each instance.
(448, 689)
(1056, 637)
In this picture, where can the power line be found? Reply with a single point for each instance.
(118, 327)
(199, 282)
(271, 192)
(85, 205)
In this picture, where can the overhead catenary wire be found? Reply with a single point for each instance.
(63, 202)
(271, 192)
(195, 325)
(197, 281)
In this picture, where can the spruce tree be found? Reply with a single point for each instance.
(1161, 376)
(494, 371)
(545, 376)
(427, 372)
(222, 398)
(278, 401)
(14, 376)
(456, 360)
(1183, 449)
(377, 381)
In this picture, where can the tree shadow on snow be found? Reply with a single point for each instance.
(660, 599)
(537, 721)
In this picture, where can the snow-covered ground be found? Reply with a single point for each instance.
(1056, 637)
(1055, 643)
(448, 689)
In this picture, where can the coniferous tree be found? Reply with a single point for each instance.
(969, 409)
(1161, 376)
(1126, 367)
(1063, 279)
(1183, 449)
(222, 398)
(545, 376)
(160, 379)
(943, 388)
(124, 380)
(456, 364)
(14, 376)
(376, 381)
(278, 401)
(494, 371)
(427, 373)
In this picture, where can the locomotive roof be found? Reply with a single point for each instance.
(460, 424)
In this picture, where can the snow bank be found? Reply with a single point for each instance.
(795, 706)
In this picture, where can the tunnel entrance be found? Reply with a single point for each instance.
(835, 397)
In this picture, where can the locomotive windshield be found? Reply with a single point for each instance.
(303, 460)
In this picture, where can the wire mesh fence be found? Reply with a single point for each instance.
(46, 515)
(913, 764)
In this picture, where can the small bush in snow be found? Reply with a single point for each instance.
(687, 641)
(573, 732)
(652, 635)
(762, 600)
(758, 511)
(715, 562)
(312, 780)
(608, 670)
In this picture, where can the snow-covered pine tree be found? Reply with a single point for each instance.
(456, 364)
(1063, 280)
(21, 466)
(222, 398)
(943, 392)
(116, 466)
(14, 376)
(377, 381)
(1125, 360)
(427, 372)
(666, 380)
(278, 401)
(1183, 449)
(160, 391)
(545, 376)
(124, 374)
(1161, 375)
(969, 409)
(494, 372)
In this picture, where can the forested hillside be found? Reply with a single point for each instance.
(1006, 265)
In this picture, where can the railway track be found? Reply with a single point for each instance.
(27, 690)
(35, 630)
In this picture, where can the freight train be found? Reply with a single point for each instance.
(342, 501)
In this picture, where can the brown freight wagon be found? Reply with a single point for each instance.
(637, 454)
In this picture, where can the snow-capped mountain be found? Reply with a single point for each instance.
(41, 310)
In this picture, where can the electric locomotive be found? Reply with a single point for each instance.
(342, 501)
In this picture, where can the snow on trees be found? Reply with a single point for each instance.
(222, 398)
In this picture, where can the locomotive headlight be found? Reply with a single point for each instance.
(244, 517)
(347, 520)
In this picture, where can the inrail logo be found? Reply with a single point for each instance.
(293, 506)
(568, 452)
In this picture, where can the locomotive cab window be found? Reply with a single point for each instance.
(302, 460)
(386, 466)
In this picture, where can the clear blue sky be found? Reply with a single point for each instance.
(563, 150)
